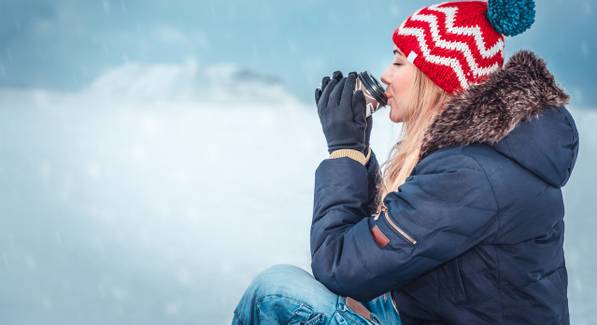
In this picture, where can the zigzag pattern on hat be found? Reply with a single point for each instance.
(474, 31)
(458, 46)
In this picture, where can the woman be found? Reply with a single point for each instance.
(465, 226)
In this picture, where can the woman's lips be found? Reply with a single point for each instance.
(389, 96)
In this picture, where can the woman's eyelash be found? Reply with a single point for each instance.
(397, 63)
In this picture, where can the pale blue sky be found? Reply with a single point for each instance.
(64, 44)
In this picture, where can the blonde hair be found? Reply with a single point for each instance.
(426, 102)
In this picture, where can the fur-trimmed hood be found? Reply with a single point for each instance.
(519, 111)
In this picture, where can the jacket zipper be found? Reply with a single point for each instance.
(399, 230)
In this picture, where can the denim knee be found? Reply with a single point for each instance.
(277, 278)
(285, 293)
(291, 281)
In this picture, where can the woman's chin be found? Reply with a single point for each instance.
(394, 116)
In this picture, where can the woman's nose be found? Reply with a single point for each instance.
(384, 79)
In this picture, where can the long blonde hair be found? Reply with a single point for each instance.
(426, 102)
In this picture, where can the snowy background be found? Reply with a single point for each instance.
(149, 182)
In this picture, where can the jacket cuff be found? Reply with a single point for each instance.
(353, 154)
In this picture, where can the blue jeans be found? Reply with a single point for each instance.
(286, 294)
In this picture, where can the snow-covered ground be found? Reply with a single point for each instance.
(154, 195)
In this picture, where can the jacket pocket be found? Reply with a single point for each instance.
(397, 229)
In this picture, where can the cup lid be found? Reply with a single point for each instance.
(374, 87)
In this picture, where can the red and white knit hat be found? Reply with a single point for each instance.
(460, 43)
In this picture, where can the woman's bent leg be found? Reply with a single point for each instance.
(286, 294)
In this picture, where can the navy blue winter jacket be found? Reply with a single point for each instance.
(475, 234)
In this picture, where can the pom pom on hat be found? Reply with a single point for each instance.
(511, 17)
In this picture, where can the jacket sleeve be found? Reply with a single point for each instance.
(443, 209)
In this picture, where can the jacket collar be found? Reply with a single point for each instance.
(488, 112)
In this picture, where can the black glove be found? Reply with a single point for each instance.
(368, 133)
(342, 113)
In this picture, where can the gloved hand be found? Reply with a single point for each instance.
(342, 113)
(368, 133)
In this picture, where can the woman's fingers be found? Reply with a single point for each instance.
(327, 87)
(337, 92)
(325, 95)
(324, 82)
(337, 75)
(351, 81)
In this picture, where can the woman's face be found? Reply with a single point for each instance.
(400, 78)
